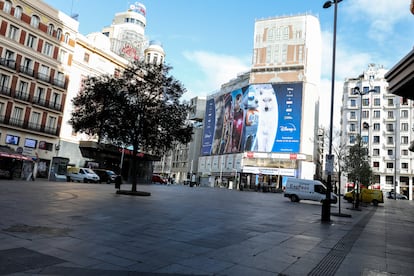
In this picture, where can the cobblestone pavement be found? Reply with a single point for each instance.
(52, 228)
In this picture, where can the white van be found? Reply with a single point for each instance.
(297, 189)
(82, 175)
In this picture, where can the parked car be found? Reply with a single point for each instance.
(390, 195)
(367, 196)
(106, 176)
(158, 179)
(85, 175)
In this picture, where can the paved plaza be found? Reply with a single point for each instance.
(52, 228)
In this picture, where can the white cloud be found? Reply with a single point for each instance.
(381, 15)
(216, 70)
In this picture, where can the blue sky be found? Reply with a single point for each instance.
(209, 42)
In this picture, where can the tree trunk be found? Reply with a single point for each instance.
(134, 170)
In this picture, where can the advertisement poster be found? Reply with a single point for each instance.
(259, 117)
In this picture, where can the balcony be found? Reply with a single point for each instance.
(9, 63)
(29, 126)
(43, 77)
(27, 71)
(22, 96)
(47, 104)
(59, 83)
(5, 90)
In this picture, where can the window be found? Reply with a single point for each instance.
(16, 116)
(377, 89)
(389, 179)
(376, 126)
(390, 102)
(390, 127)
(376, 139)
(404, 101)
(13, 32)
(34, 22)
(352, 103)
(390, 140)
(404, 152)
(7, 6)
(44, 73)
(352, 115)
(377, 114)
(59, 34)
(86, 57)
(23, 88)
(66, 38)
(18, 12)
(286, 33)
(62, 56)
(352, 139)
(404, 165)
(404, 140)
(47, 49)
(404, 113)
(31, 41)
(377, 102)
(375, 164)
(365, 114)
(34, 121)
(30, 143)
(390, 165)
(352, 127)
(390, 152)
(155, 60)
(376, 152)
(404, 126)
(1, 108)
(27, 65)
(364, 139)
(390, 114)
(51, 122)
(9, 56)
(39, 95)
(365, 102)
(55, 101)
(50, 29)
(4, 82)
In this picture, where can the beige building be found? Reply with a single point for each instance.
(36, 50)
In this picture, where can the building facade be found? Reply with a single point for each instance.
(36, 50)
(385, 122)
(255, 129)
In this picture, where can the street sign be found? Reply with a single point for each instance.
(329, 164)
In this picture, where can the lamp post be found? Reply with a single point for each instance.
(326, 205)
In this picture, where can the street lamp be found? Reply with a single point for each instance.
(326, 205)
(358, 91)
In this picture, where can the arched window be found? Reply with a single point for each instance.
(66, 39)
(34, 22)
(18, 12)
(59, 34)
(7, 6)
(50, 29)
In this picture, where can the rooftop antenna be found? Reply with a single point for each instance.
(73, 15)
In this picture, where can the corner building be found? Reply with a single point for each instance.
(37, 44)
(263, 125)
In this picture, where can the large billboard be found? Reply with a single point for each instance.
(259, 117)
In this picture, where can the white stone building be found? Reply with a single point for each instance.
(385, 122)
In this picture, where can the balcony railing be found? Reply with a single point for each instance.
(4, 90)
(27, 71)
(43, 77)
(48, 104)
(10, 63)
(22, 95)
(29, 125)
